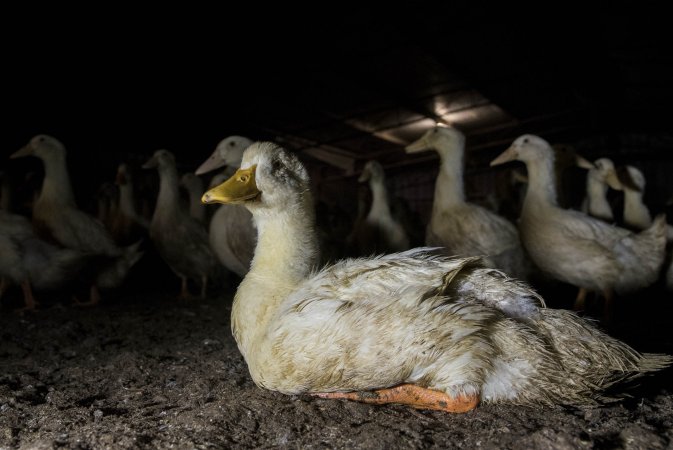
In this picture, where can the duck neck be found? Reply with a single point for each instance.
(541, 183)
(196, 208)
(126, 204)
(286, 254)
(56, 185)
(379, 206)
(597, 196)
(169, 191)
(635, 212)
(449, 190)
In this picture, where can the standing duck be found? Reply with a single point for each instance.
(601, 175)
(573, 247)
(463, 228)
(128, 225)
(380, 232)
(57, 218)
(636, 213)
(231, 235)
(180, 239)
(416, 328)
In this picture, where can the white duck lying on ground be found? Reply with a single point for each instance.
(601, 176)
(57, 218)
(181, 240)
(231, 233)
(426, 330)
(380, 232)
(573, 247)
(463, 228)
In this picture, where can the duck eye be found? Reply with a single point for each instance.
(525, 140)
(232, 143)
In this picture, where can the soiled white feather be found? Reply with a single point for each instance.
(461, 227)
(416, 317)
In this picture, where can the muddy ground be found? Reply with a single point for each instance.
(143, 370)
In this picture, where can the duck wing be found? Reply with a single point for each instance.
(409, 279)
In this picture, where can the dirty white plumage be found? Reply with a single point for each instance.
(417, 317)
(461, 227)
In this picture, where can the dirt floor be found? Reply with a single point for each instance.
(146, 371)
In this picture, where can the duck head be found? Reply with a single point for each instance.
(604, 171)
(227, 153)
(373, 170)
(42, 146)
(122, 177)
(631, 178)
(439, 138)
(526, 148)
(269, 176)
(162, 160)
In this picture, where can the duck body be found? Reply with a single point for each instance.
(181, 240)
(232, 237)
(33, 263)
(463, 228)
(417, 318)
(576, 248)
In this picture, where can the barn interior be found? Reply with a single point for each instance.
(339, 90)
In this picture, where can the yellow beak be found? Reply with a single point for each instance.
(240, 187)
(506, 156)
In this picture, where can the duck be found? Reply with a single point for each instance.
(636, 214)
(460, 227)
(417, 327)
(363, 201)
(33, 263)
(231, 235)
(602, 174)
(180, 239)
(127, 225)
(380, 232)
(58, 220)
(573, 247)
(194, 187)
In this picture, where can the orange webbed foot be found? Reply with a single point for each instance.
(411, 395)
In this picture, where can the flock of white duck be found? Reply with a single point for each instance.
(440, 327)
